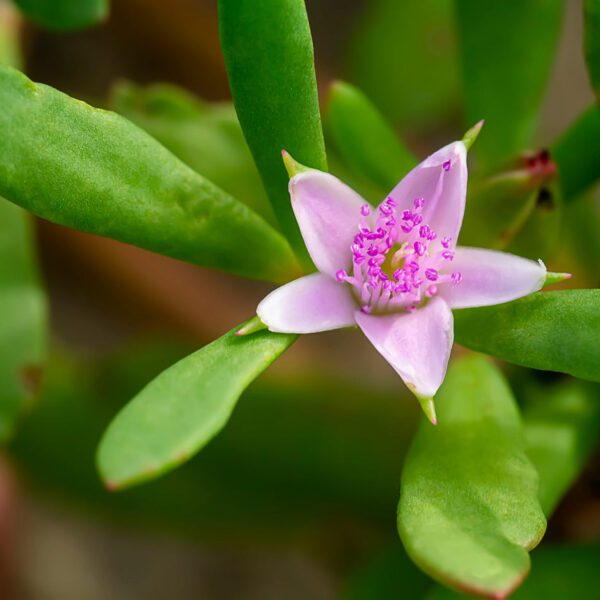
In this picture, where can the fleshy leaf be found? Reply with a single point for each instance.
(269, 58)
(207, 137)
(23, 327)
(181, 410)
(561, 429)
(507, 52)
(557, 572)
(468, 510)
(577, 154)
(95, 171)
(364, 139)
(552, 331)
(64, 14)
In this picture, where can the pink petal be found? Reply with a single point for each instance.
(307, 305)
(328, 213)
(417, 344)
(491, 277)
(441, 180)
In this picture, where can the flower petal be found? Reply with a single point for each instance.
(328, 213)
(491, 277)
(417, 344)
(441, 180)
(307, 305)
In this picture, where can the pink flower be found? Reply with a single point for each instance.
(396, 271)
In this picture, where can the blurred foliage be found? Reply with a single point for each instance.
(297, 469)
(10, 51)
(403, 56)
(561, 429)
(525, 205)
(23, 328)
(23, 305)
(64, 14)
(577, 154)
(506, 52)
(592, 41)
(387, 574)
(363, 137)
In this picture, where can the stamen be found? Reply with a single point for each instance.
(431, 274)
(420, 248)
(341, 275)
(395, 265)
(446, 165)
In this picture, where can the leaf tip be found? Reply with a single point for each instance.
(251, 326)
(111, 486)
(292, 166)
(471, 135)
(552, 278)
(428, 407)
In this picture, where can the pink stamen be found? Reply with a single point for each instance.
(341, 275)
(415, 259)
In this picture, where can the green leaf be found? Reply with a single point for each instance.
(561, 429)
(269, 58)
(64, 14)
(179, 412)
(592, 42)
(507, 52)
(207, 137)
(558, 572)
(95, 171)
(551, 331)
(468, 508)
(403, 56)
(23, 306)
(577, 154)
(364, 139)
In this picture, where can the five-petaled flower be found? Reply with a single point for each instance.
(395, 271)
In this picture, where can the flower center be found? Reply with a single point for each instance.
(399, 262)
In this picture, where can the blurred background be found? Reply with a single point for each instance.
(297, 496)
